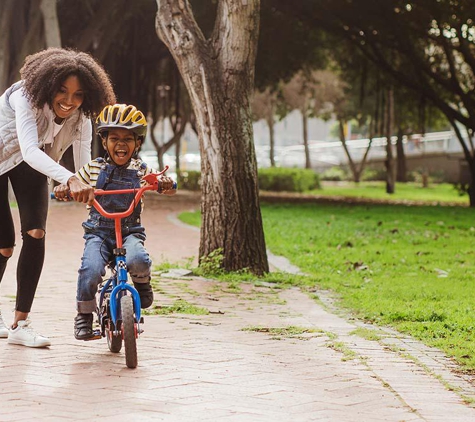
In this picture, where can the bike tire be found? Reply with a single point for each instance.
(114, 341)
(128, 329)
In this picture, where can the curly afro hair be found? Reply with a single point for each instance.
(44, 72)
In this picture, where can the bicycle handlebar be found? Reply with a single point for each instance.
(152, 184)
(138, 194)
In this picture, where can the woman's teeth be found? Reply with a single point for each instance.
(64, 108)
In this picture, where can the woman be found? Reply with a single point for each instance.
(43, 114)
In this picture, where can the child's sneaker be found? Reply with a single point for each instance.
(146, 294)
(83, 326)
(25, 335)
(3, 328)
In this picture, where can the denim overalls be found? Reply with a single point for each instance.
(100, 235)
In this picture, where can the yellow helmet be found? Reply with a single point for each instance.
(122, 116)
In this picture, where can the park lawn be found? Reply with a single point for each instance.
(408, 267)
(436, 193)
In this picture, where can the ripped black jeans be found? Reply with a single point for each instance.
(31, 192)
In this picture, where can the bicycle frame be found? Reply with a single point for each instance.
(119, 282)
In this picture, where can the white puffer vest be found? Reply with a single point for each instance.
(10, 153)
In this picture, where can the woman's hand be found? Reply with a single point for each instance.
(61, 193)
(80, 191)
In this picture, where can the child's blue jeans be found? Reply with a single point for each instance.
(97, 254)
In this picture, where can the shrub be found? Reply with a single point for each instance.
(279, 179)
(190, 180)
(271, 179)
(433, 176)
(373, 175)
(334, 174)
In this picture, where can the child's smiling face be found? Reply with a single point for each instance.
(120, 144)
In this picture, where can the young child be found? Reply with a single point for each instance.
(122, 129)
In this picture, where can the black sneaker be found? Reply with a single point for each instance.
(83, 326)
(145, 293)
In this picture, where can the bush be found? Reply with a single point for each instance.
(280, 179)
(271, 179)
(373, 175)
(190, 180)
(334, 174)
(417, 176)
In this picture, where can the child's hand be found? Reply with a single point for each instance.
(165, 185)
(61, 193)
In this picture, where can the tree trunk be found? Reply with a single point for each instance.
(469, 158)
(270, 124)
(219, 76)
(471, 189)
(50, 22)
(177, 155)
(31, 41)
(308, 164)
(390, 180)
(372, 125)
(354, 170)
(401, 158)
(6, 18)
(180, 129)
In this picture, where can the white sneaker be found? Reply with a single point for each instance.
(25, 335)
(3, 328)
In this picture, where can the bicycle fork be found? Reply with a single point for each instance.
(120, 289)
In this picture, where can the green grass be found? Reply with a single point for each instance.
(442, 193)
(408, 267)
(180, 306)
(192, 218)
(367, 334)
(291, 331)
(341, 347)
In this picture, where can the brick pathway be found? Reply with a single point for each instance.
(207, 368)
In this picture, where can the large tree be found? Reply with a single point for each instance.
(218, 72)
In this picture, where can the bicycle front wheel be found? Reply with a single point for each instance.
(113, 341)
(129, 331)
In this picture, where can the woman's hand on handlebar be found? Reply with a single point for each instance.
(80, 191)
(61, 193)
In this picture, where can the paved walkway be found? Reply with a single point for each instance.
(240, 362)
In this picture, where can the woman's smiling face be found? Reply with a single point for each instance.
(69, 97)
(120, 144)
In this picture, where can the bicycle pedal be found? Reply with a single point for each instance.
(96, 335)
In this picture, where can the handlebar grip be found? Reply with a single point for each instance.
(51, 196)
(160, 190)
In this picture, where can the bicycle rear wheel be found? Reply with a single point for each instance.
(129, 331)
